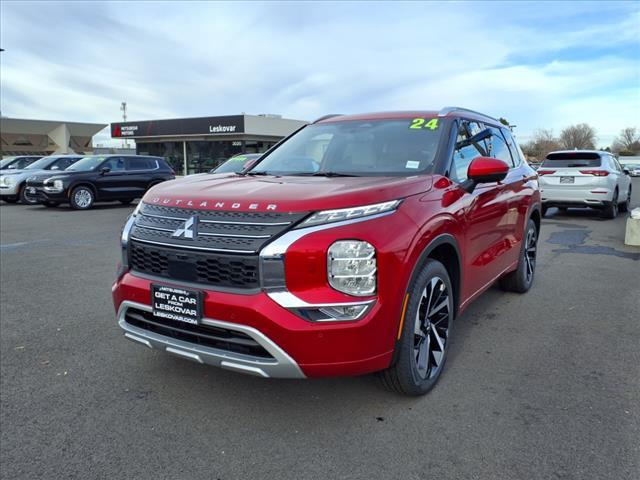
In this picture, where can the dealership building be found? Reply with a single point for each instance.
(21, 136)
(194, 145)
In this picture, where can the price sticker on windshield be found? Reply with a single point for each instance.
(422, 123)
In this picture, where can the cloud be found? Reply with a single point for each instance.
(538, 67)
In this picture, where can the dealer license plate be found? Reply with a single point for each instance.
(176, 303)
(567, 179)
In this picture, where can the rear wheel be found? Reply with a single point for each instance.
(25, 199)
(611, 211)
(521, 279)
(425, 336)
(82, 198)
(626, 205)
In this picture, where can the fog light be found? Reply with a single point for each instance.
(351, 267)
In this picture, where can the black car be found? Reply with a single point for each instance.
(100, 178)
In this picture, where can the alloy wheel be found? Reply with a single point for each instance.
(431, 328)
(83, 198)
(530, 251)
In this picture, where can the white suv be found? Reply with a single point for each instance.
(584, 178)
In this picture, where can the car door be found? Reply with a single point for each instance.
(139, 174)
(486, 226)
(624, 181)
(112, 185)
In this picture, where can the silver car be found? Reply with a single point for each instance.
(13, 182)
(584, 178)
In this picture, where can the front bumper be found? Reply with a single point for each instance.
(8, 191)
(40, 195)
(280, 364)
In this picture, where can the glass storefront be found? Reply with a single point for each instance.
(202, 156)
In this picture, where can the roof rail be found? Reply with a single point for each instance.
(324, 117)
(446, 110)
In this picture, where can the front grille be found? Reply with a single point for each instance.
(234, 232)
(221, 248)
(233, 271)
(207, 336)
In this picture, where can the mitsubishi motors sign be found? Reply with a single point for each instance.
(229, 124)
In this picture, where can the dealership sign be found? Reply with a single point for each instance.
(229, 124)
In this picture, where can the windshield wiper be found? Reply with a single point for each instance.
(254, 173)
(325, 174)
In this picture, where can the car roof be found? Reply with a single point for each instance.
(446, 112)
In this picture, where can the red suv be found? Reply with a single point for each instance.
(349, 248)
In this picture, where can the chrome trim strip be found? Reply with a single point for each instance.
(280, 366)
(231, 235)
(220, 222)
(287, 299)
(133, 338)
(189, 247)
(279, 246)
(156, 228)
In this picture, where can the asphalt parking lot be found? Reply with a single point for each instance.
(543, 385)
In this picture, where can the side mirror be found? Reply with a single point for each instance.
(485, 170)
(104, 170)
(626, 171)
(55, 167)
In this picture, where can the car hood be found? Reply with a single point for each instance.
(282, 194)
(22, 172)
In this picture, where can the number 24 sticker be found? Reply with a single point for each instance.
(420, 123)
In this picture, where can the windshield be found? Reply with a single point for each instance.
(361, 148)
(86, 164)
(236, 164)
(6, 161)
(41, 164)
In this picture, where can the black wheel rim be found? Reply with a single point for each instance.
(530, 251)
(431, 328)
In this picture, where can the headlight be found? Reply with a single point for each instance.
(8, 180)
(51, 185)
(351, 267)
(328, 216)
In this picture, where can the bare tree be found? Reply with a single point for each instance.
(543, 142)
(581, 136)
(628, 141)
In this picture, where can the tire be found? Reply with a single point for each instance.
(26, 200)
(126, 201)
(611, 211)
(521, 279)
(626, 205)
(421, 356)
(82, 198)
(544, 210)
(50, 204)
(10, 199)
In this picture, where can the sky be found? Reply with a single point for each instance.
(540, 65)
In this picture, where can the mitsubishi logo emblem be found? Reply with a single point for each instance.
(188, 229)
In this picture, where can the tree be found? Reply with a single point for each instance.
(543, 142)
(581, 136)
(504, 121)
(627, 141)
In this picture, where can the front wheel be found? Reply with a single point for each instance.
(82, 198)
(521, 279)
(25, 199)
(425, 335)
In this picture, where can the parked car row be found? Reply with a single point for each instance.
(83, 180)
(585, 179)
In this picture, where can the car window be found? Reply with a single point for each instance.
(116, 164)
(615, 163)
(514, 148)
(463, 156)
(63, 163)
(497, 147)
(137, 163)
